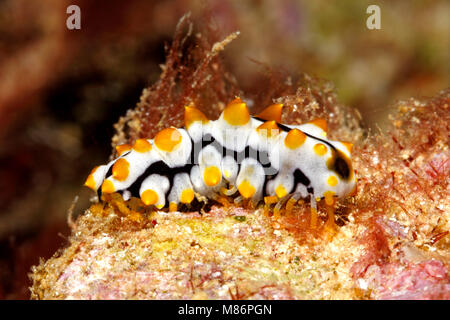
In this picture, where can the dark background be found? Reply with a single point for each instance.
(62, 90)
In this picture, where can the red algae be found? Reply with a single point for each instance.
(428, 280)
(192, 73)
(377, 249)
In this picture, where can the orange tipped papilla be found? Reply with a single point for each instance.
(108, 187)
(246, 189)
(121, 169)
(142, 145)
(320, 149)
(294, 139)
(173, 207)
(281, 191)
(168, 139)
(90, 181)
(269, 128)
(348, 145)
(149, 197)
(212, 176)
(121, 149)
(192, 114)
(272, 112)
(236, 113)
(321, 123)
(187, 196)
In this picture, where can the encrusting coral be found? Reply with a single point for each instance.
(388, 241)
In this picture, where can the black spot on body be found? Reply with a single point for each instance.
(299, 177)
(341, 168)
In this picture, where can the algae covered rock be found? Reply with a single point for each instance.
(223, 254)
